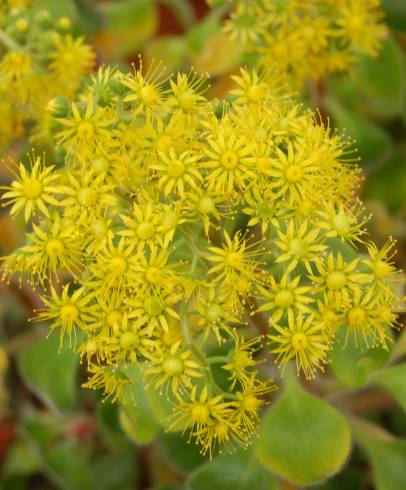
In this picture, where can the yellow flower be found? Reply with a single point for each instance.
(68, 311)
(284, 297)
(70, 59)
(112, 267)
(154, 310)
(86, 132)
(294, 174)
(176, 171)
(52, 247)
(304, 340)
(241, 361)
(235, 260)
(256, 87)
(14, 66)
(299, 245)
(381, 265)
(142, 224)
(214, 314)
(249, 402)
(198, 412)
(339, 279)
(146, 89)
(230, 162)
(187, 92)
(86, 197)
(33, 189)
(173, 368)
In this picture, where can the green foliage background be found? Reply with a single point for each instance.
(346, 430)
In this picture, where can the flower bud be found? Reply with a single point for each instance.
(64, 24)
(44, 19)
(58, 106)
(22, 25)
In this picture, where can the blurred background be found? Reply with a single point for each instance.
(56, 435)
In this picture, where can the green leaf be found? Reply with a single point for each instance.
(136, 417)
(395, 13)
(171, 49)
(128, 24)
(50, 372)
(380, 184)
(69, 465)
(353, 366)
(238, 471)
(21, 459)
(197, 37)
(394, 380)
(373, 72)
(302, 438)
(374, 143)
(387, 455)
(386, 92)
(180, 454)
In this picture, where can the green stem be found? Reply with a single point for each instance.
(200, 356)
(8, 42)
(217, 360)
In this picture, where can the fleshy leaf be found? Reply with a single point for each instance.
(238, 471)
(50, 372)
(302, 438)
(393, 379)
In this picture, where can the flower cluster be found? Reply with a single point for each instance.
(193, 238)
(39, 59)
(308, 38)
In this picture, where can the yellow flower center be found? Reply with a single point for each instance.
(86, 197)
(54, 247)
(85, 130)
(153, 306)
(114, 318)
(206, 205)
(152, 274)
(297, 247)
(69, 313)
(229, 159)
(100, 165)
(299, 341)
(22, 25)
(293, 173)
(148, 94)
(214, 312)
(250, 403)
(129, 340)
(32, 188)
(234, 259)
(145, 231)
(118, 265)
(221, 431)
(173, 366)
(341, 224)
(241, 360)
(381, 269)
(256, 92)
(176, 168)
(356, 316)
(336, 280)
(200, 412)
(284, 298)
(99, 228)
